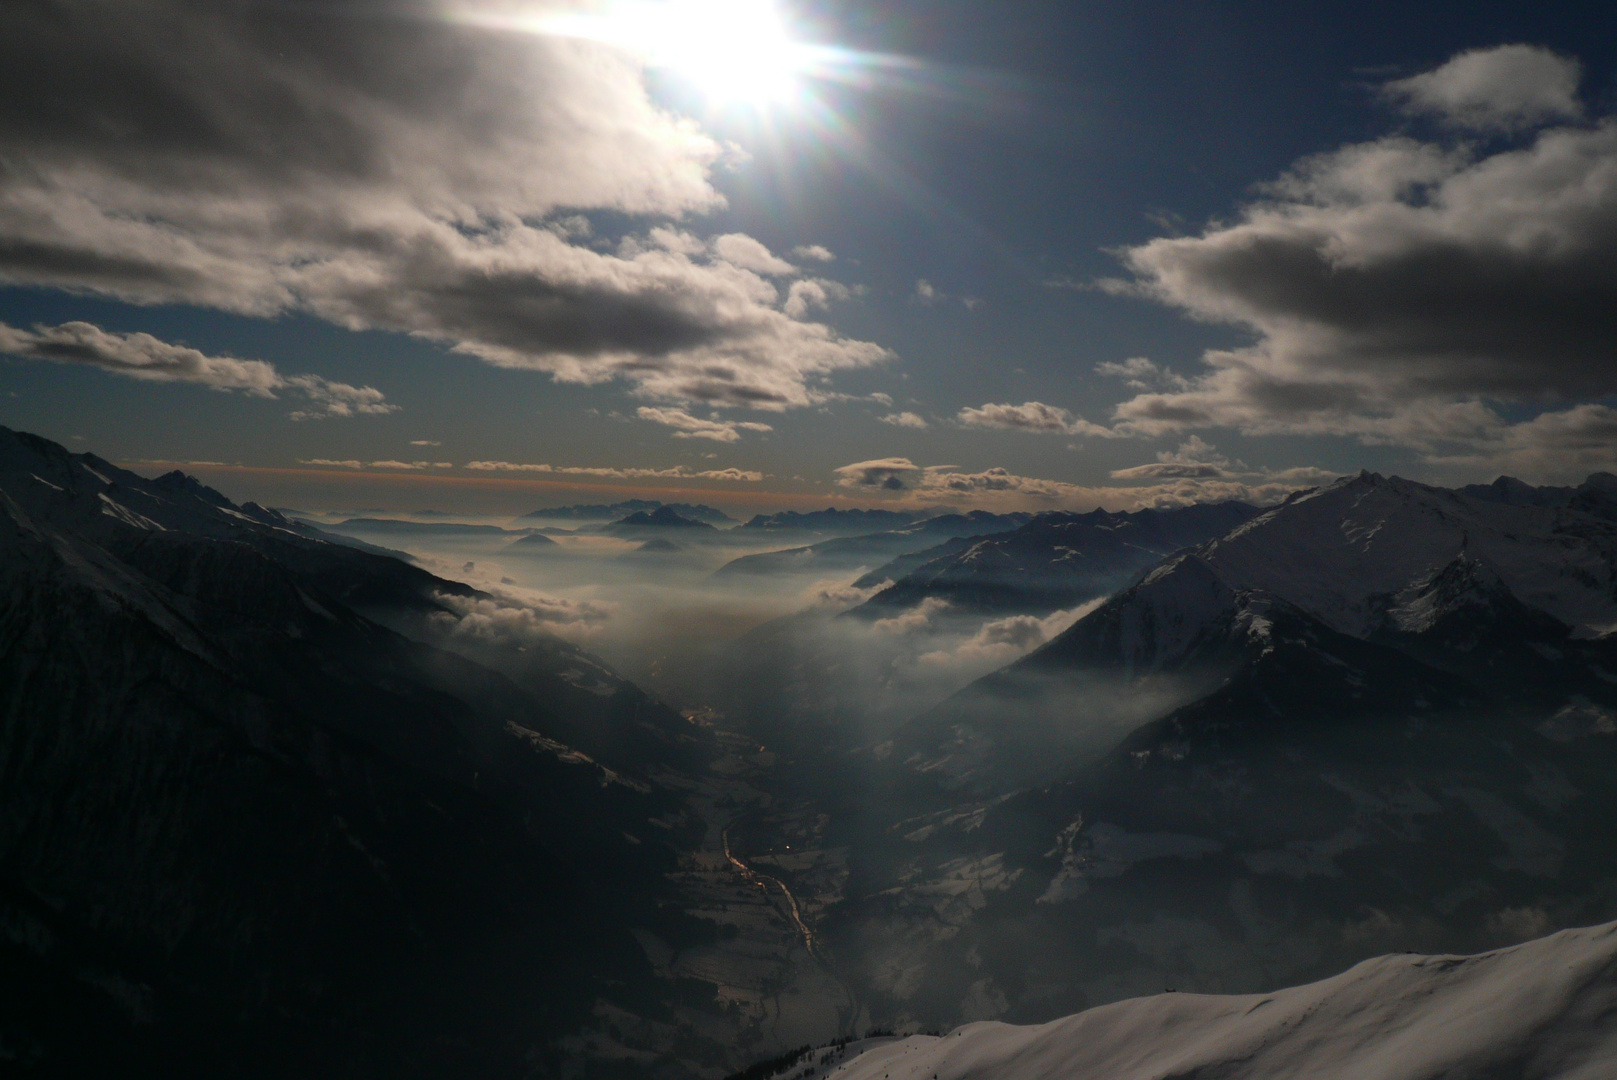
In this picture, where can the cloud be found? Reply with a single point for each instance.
(674, 472)
(142, 356)
(336, 398)
(510, 617)
(1500, 89)
(391, 172)
(1197, 459)
(905, 420)
(1000, 641)
(402, 466)
(741, 250)
(886, 474)
(907, 483)
(812, 294)
(425, 442)
(913, 619)
(834, 594)
(690, 427)
(1032, 416)
(1139, 373)
(1401, 291)
(814, 252)
(927, 293)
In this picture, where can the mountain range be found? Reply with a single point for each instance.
(275, 804)
(1378, 714)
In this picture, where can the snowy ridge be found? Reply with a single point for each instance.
(1365, 555)
(1545, 1009)
(1336, 551)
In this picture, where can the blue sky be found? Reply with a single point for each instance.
(1059, 236)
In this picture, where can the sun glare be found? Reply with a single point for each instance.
(732, 50)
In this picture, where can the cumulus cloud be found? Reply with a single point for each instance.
(1499, 89)
(673, 472)
(1031, 416)
(142, 356)
(687, 426)
(812, 294)
(905, 420)
(425, 442)
(814, 253)
(1400, 291)
(391, 172)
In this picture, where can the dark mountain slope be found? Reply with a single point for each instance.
(245, 830)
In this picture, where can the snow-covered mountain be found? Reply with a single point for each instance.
(1512, 597)
(1346, 552)
(1378, 715)
(1545, 1009)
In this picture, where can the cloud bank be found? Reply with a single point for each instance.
(1000, 489)
(1414, 292)
(396, 169)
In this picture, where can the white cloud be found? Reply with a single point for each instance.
(1034, 417)
(425, 442)
(814, 253)
(741, 250)
(905, 420)
(142, 356)
(691, 427)
(1500, 89)
(927, 293)
(812, 294)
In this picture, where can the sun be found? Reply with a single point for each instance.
(731, 50)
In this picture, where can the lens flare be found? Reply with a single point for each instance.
(731, 50)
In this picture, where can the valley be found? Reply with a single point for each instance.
(1207, 773)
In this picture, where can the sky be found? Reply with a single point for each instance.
(485, 256)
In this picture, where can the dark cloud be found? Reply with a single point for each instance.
(388, 166)
(1396, 287)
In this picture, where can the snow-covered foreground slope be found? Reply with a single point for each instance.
(1545, 1009)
